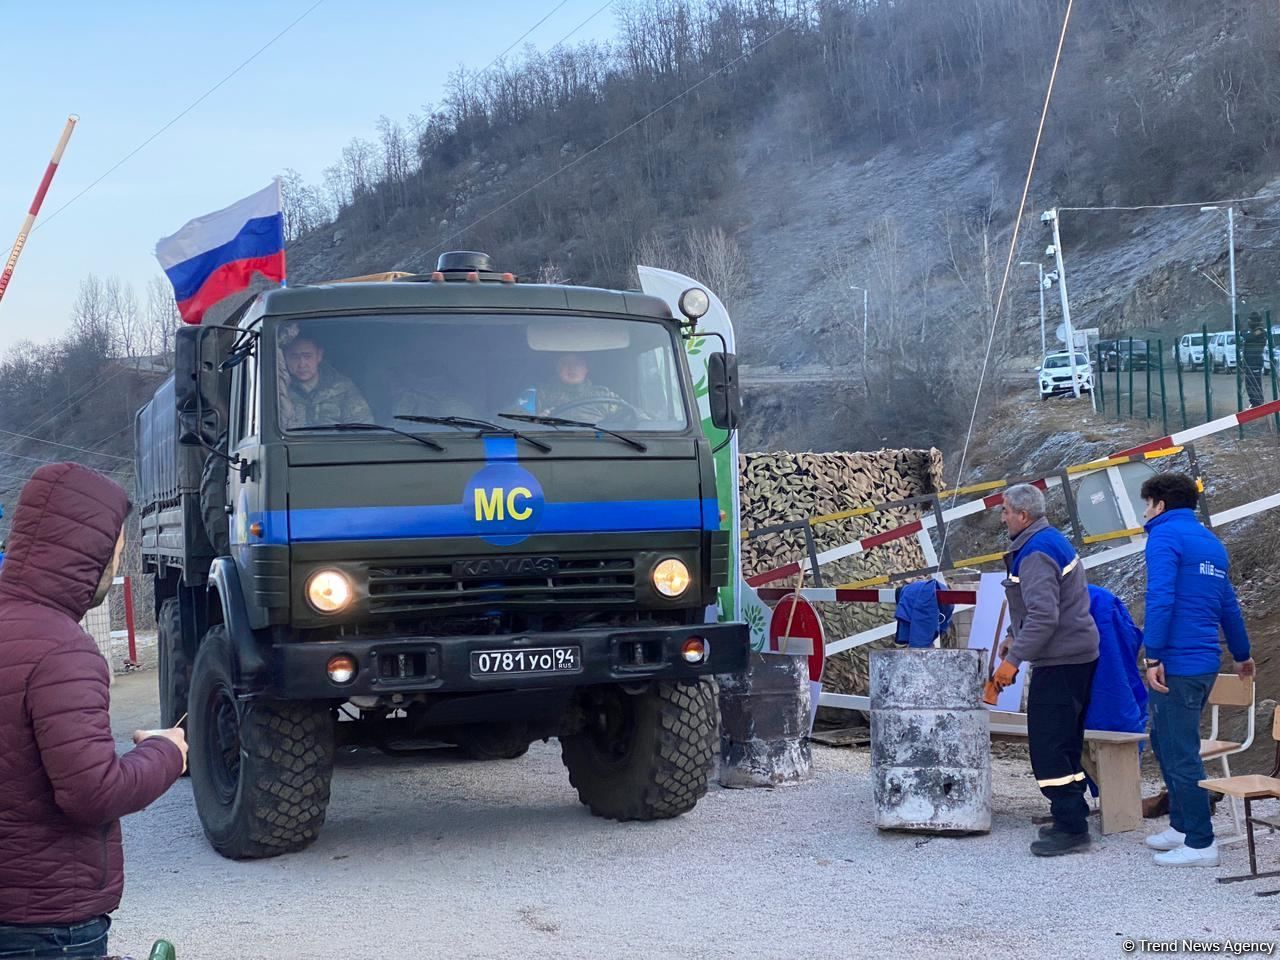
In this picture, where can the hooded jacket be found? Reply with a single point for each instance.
(62, 787)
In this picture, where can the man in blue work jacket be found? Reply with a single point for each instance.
(1054, 632)
(1189, 596)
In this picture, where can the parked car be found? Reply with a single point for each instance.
(1188, 351)
(1116, 353)
(1104, 352)
(1222, 350)
(1054, 374)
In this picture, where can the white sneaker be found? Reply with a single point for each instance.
(1167, 839)
(1185, 856)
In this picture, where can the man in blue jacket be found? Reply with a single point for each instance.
(1054, 632)
(1189, 596)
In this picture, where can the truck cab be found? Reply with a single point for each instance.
(458, 508)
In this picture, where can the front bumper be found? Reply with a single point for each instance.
(1047, 389)
(443, 664)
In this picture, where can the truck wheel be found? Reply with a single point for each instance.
(260, 771)
(495, 741)
(644, 756)
(175, 668)
(213, 504)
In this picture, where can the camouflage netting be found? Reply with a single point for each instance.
(778, 487)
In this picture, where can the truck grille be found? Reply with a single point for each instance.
(419, 587)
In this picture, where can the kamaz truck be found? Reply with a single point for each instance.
(452, 509)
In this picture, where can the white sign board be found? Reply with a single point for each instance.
(990, 623)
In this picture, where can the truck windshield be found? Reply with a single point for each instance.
(621, 374)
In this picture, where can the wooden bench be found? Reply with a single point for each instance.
(1111, 759)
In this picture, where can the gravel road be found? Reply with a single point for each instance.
(441, 857)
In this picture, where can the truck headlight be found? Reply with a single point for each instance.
(671, 577)
(329, 591)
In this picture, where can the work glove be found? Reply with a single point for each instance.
(1004, 676)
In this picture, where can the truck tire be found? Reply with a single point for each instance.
(644, 756)
(174, 666)
(260, 771)
(213, 504)
(495, 741)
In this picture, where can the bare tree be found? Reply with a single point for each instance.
(715, 258)
(161, 320)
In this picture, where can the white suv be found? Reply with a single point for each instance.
(1188, 351)
(1054, 374)
(1222, 350)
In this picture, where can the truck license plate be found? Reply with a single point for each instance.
(487, 663)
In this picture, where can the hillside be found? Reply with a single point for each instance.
(871, 144)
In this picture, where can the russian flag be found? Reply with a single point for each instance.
(216, 255)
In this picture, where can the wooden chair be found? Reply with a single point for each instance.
(1248, 789)
(1229, 691)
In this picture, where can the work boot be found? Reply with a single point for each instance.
(1056, 844)
(1048, 830)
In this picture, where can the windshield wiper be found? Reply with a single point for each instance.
(586, 424)
(425, 441)
(484, 426)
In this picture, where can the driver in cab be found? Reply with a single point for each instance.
(571, 392)
(317, 394)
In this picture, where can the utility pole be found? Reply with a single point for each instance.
(854, 286)
(1044, 348)
(1231, 260)
(1051, 217)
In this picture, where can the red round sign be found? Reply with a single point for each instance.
(796, 626)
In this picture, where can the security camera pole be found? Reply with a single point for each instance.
(1051, 217)
(1039, 266)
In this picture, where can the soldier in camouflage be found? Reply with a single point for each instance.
(316, 393)
(573, 384)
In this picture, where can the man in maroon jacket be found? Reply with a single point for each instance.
(62, 787)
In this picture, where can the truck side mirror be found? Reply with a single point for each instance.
(201, 388)
(723, 395)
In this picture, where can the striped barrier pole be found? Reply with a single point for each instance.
(34, 209)
(1164, 446)
(128, 619)
(931, 521)
(1098, 560)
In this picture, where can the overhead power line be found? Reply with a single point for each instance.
(68, 446)
(1013, 248)
(191, 106)
(1173, 206)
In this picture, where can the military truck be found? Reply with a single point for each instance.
(453, 509)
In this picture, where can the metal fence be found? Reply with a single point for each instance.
(1160, 379)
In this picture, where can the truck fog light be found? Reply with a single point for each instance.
(671, 577)
(695, 650)
(329, 591)
(341, 669)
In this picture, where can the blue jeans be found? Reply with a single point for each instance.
(77, 941)
(1175, 736)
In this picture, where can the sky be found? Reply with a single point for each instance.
(128, 67)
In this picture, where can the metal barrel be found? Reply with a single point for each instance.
(930, 741)
(764, 723)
